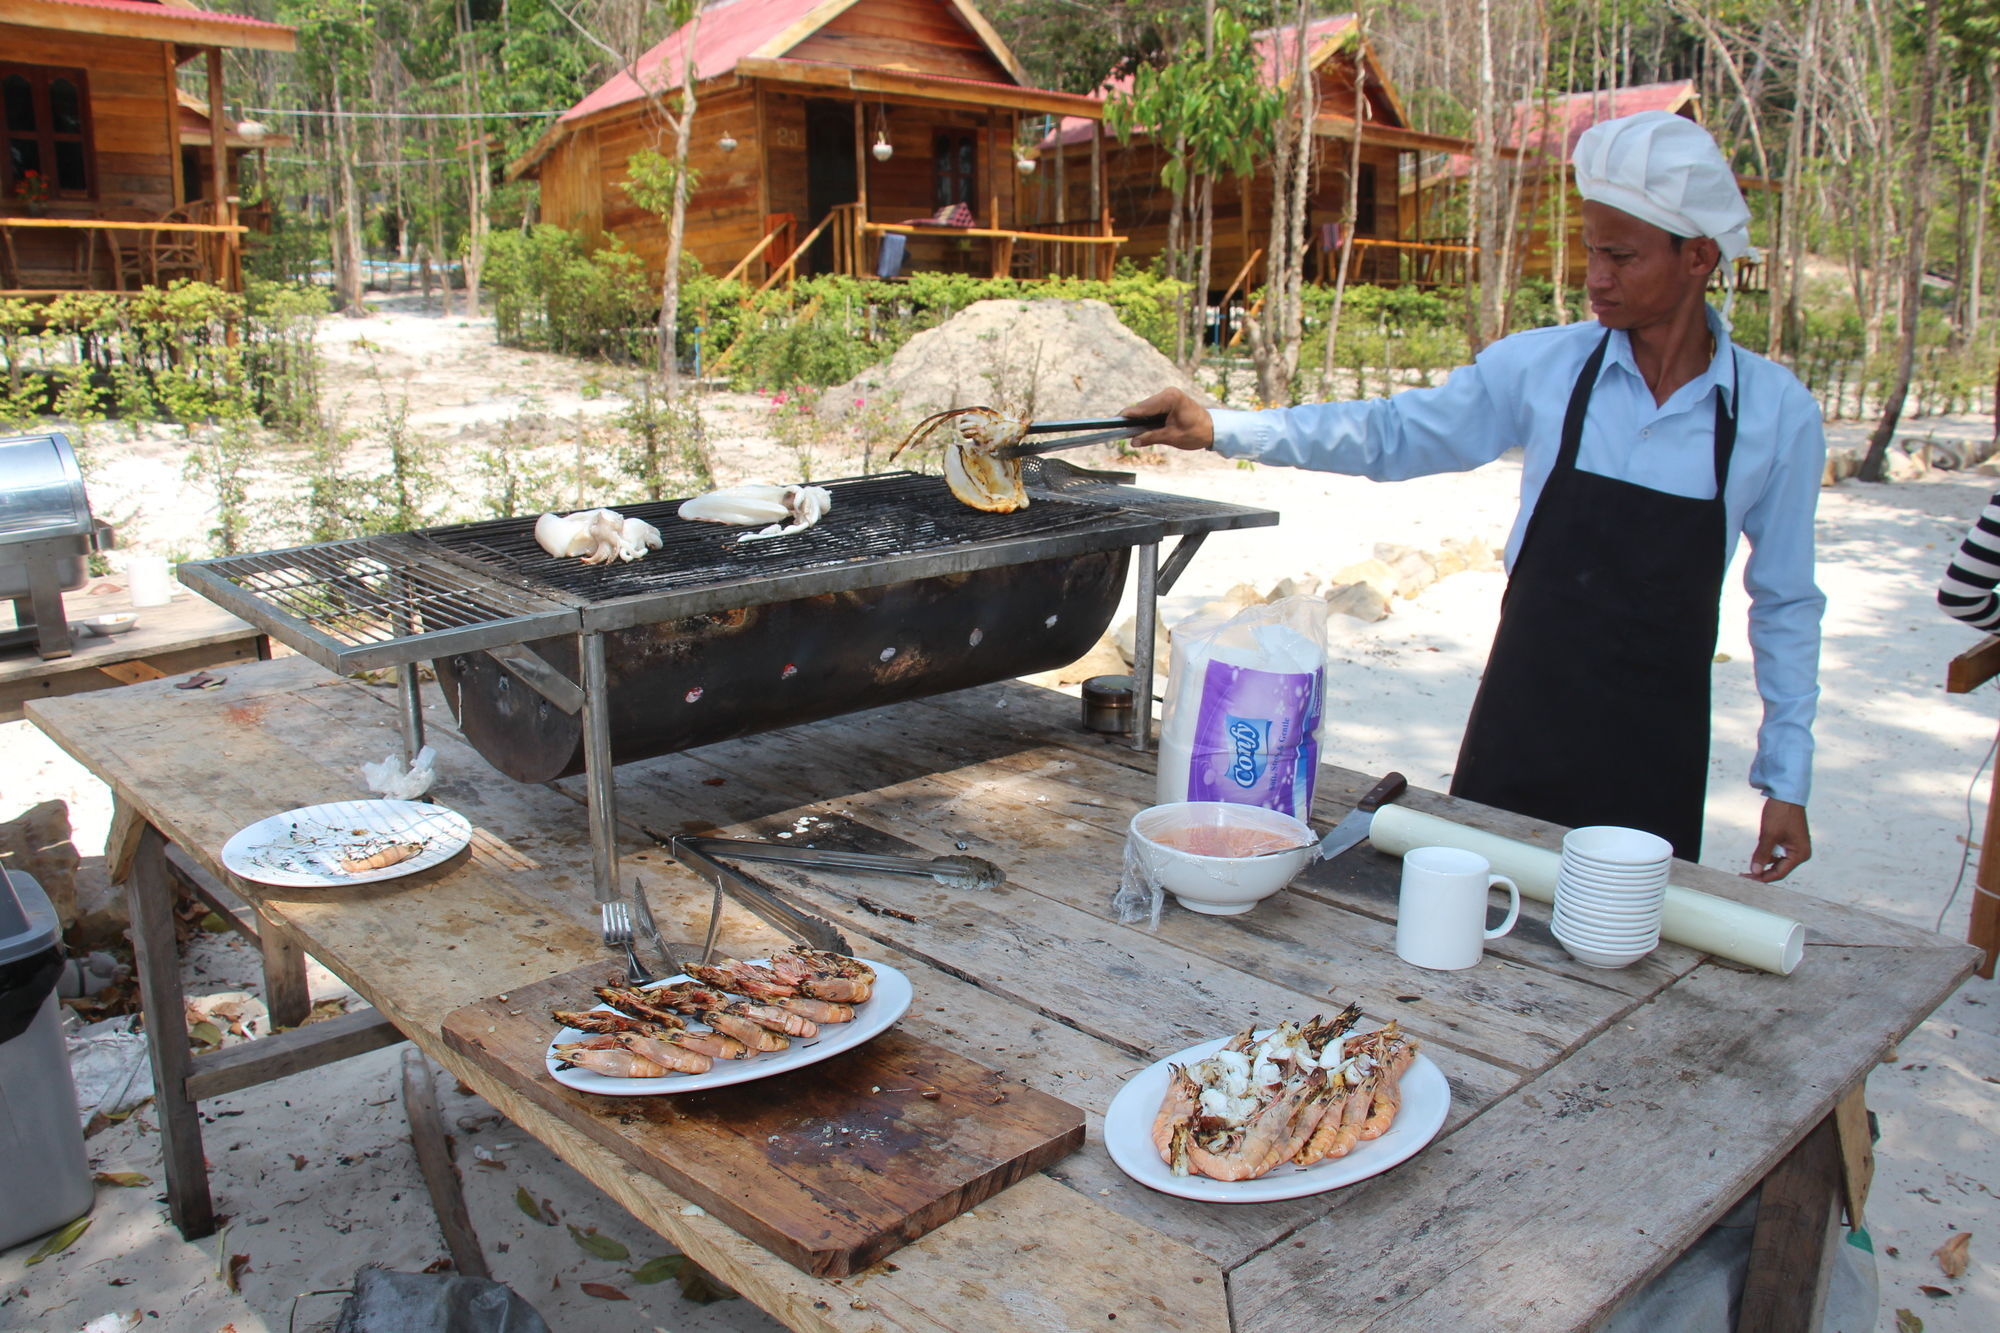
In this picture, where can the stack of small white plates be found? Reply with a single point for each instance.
(1609, 894)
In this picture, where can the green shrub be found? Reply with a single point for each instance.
(553, 293)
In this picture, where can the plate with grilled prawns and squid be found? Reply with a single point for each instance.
(729, 1022)
(1278, 1113)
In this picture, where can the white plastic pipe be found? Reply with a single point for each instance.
(1701, 921)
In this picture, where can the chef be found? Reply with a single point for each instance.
(1649, 442)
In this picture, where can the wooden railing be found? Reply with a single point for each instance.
(775, 226)
(139, 254)
(1050, 250)
(1411, 263)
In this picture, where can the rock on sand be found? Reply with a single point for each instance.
(1048, 358)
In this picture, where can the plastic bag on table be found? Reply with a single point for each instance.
(1245, 707)
(387, 776)
(1139, 895)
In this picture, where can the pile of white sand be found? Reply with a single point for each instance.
(1047, 358)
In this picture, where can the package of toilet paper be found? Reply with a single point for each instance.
(1245, 707)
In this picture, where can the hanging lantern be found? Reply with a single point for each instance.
(883, 149)
(251, 131)
(727, 143)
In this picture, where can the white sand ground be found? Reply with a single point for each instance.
(316, 1170)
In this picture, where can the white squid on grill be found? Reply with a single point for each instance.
(976, 477)
(598, 536)
(785, 509)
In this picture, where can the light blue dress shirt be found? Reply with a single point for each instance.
(1515, 394)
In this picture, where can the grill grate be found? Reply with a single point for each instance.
(899, 513)
(343, 598)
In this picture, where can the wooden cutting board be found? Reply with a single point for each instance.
(831, 1166)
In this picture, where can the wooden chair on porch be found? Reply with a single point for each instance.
(181, 254)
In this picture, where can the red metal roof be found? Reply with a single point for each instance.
(1536, 127)
(727, 33)
(171, 13)
(1274, 48)
(1548, 131)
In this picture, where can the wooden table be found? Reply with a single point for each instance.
(187, 634)
(1600, 1121)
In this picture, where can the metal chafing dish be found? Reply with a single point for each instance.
(46, 533)
(553, 667)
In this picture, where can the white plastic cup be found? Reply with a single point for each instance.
(1441, 914)
(149, 579)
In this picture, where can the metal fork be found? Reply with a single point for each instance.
(617, 923)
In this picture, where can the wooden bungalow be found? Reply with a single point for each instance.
(1539, 137)
(1385, 251)
(109, 180)
(829, 137)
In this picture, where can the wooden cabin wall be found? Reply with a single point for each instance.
(1336, 92)
(133, 107)
(724, 217)
(903, 187)
(134, 111)
(913, 36)
(1140, 204)
(572, 194)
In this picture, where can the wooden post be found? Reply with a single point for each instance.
(993, 169)
(173, 125)
(857, 243)
(218, 168)
(1798, 1219)
(763, 150)
(1967, 672)
(1062, 174)
(156, 957)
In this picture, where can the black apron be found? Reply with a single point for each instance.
(1594, 708)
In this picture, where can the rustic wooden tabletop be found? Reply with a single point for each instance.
(1599, 1120)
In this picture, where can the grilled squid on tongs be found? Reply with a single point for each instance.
(976, 477)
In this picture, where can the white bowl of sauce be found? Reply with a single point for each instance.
(1211, 854)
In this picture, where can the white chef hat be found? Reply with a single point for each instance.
(1666, 170)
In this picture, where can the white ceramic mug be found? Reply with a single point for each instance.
(1441, 916)
(149, 578)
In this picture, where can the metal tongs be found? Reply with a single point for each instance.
(699, 855)
(1100, 430)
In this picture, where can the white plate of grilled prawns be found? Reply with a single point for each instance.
(729, 1022)
(1277, 1113)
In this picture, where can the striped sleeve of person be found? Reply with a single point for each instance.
(1967, 591)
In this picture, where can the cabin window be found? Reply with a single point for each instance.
(955, 167)
(45, 123)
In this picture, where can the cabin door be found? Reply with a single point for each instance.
(830, 178)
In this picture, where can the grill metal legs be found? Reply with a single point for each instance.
(410, 689)
(1148, 558)
(597, 768)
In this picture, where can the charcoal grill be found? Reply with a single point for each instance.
(46, 532)
(552, 667)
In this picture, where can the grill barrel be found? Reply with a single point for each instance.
(691, 681)
(46, 531)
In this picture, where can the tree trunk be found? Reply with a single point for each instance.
(1175, 260)
(1350, 210)
(1204, 275)
(1872, 464)
(1976, 270)
(479, 179)
(346, 212)
(1274, 341)
(1483, 314)
(670, 281)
